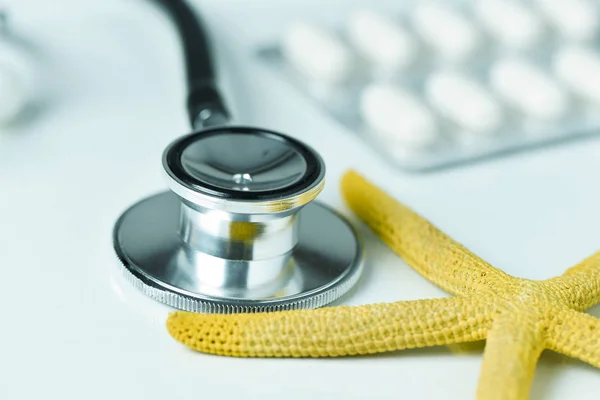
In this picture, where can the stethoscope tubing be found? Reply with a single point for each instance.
(203, 96)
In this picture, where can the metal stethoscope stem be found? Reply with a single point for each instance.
(248, 244)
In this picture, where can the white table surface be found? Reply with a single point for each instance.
(72, 329)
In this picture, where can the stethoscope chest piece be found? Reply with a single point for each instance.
(239, 231)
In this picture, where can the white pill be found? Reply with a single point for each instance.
(464, 101)
(575, 19)
(579, 69)
(529, 89)
(398, 116)
(317, 53)
(381, 40)
(510, 22)
(447, 31)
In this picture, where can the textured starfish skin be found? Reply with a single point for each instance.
(519, 318)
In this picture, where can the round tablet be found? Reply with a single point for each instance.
(464, 101)
(579, 69)
(448, 32)
(317, 53)
(510, 22)
(398, 116)
(575, 19)
(529, 89)
(381, 40)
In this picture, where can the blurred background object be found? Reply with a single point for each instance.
(465, 80)
(16, 73)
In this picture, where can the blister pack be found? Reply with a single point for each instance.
(435, 83)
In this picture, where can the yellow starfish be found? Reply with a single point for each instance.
(519, 318)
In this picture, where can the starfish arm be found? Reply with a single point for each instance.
(579, 287)
(335, 331)
(576, 335)
(425, 248)
(513, 346)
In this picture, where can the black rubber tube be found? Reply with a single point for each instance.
(203, 92)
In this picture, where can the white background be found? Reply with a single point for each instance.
(71, 329)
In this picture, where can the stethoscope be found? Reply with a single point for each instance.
(238, 231)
